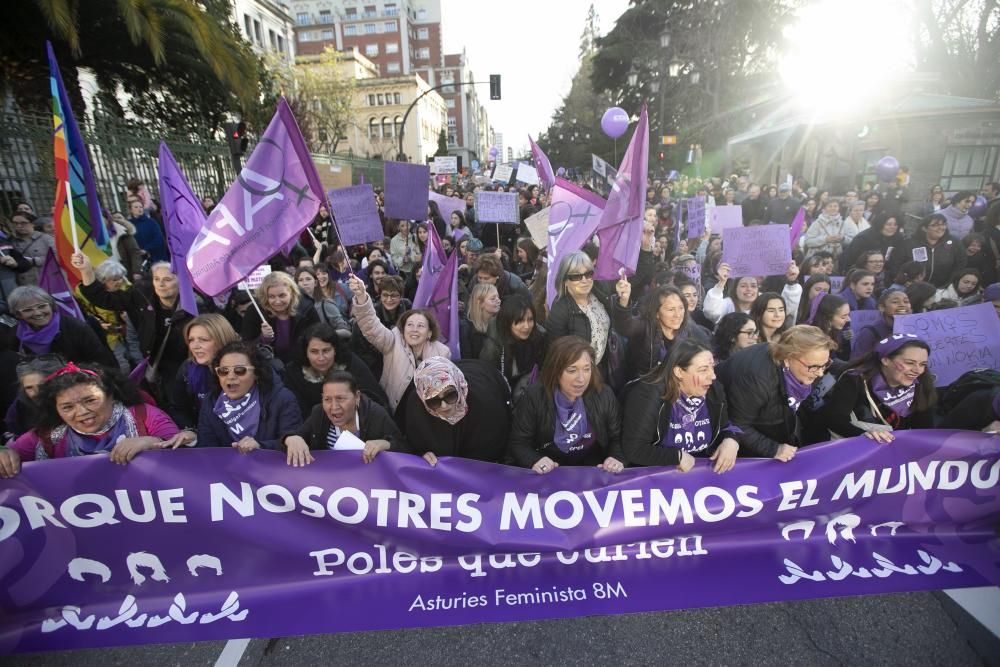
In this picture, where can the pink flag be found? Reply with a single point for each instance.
(542, 166)
(52, 280)
(573, 217)
(183, 219)
(432, 263)
(276, 195)
(620, 228)
(444, 303)
(798, 224)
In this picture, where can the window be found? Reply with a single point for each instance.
(423, 53)
(398, 122)
(381, 99)
(395, 98)
(326, 35)
(391, 9)
(421, 14)
(273, 39)
(350, 30)
(390, 26)
(371, 99)
(451, 122)
(387, 128)
(351, 12)
(371, 49)
(281, 44)
(393, 68)
(249, 26)
(370, 11)
(302, 18)
(307, 36)
(369, 28)
(450, 102)
(392, 47)
(423, 33)
(325, 16)
(373, 129)
(257, 31)
(968, 167)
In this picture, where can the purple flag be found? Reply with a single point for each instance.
(433, 261)
(543, 167)
(356, 215)
(573, 217)
(446, 205)
(620, 228)
(406, 190)
(275, 197)
(444, 304)
(208, 544)
(139, 372)
(52, 280)
(183, 220)
(798, 223)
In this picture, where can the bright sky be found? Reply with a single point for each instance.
(533, 46)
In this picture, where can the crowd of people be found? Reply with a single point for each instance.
(679, 361)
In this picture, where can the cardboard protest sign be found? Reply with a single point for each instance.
(961, 339)
(447, 204)
(406, 190)
(726, 217)
(502, 173)
(836, 284)
(527, 174)
(254, 280)
(356, 214)
(538, 227)
(695, 217)
(497, 207)
(756, 251)
(445, 164)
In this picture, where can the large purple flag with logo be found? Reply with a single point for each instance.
(275, 197)
(443, 302)
(573, 217)
(52, 280)
(432, 262)
(620, 228)
(208, 544)
(546, 177)
(183, 220)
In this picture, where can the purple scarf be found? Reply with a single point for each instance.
(39, 341)
(690, 425)
(241, 416)
(797, 391)
(572, 433)
(282, 337)
(199, 380)
(120, 425)
(867, 303)
(899, 400)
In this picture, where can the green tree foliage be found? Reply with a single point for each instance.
(442, 144)
(183, 64)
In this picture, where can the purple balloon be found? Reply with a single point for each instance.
(560, 172)
(887, 168)
(614, 122)
(978, 208)
(493, 152)
(673, 175)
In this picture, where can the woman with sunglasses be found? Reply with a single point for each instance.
(459, 408)
(247, 410)
(88, 410)
(768, 382)
(735, 332)
(344, 419)
(578, 310)
(571, 417)
(934, 248)
(679, 412)
(886, 390)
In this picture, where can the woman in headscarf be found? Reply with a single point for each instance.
(344, 419)
(456, 409)
(571, 417)
(680, 412)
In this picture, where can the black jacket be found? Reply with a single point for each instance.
(647, 419)
(758, 403)
(870, 239)
(973, 413)
(534, 425)
(471, 340)
(375, 423)
(754, 209)
(76, 341)
(781, 211)
(943, 259)
(848, 396)
(565, 318)
(644, 340)
(301, 320)
(310, 394)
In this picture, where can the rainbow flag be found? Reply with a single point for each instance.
(72, 166)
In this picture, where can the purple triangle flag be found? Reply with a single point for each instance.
(620, 228)
(542, 165)
(138, 373)
(432, 264)
(573, 217)
(798, 224)
(444, 304)
(183, 220)
(52, 280)
(275, 196)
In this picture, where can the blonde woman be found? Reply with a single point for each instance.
(484, 304)
(285, 318)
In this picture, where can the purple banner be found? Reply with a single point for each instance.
(211, 544)
(52, 280)
(573, 217)
(756, 251)
(406, 190)
(356, 215)
(275, 196)
(183, 219)
(961, 339)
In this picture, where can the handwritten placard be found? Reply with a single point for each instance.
(497, 207)
(961, 339)
(447, 204)
(503, 172)
(726, 217)
(446, 164)
(254, 280)
(695, 217)
(756, 251)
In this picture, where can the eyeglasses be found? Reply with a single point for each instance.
(751, 332)
(38, 308)
(449, 397)
(390, 296)
(240, 371)
(577, 277)
(816, 368)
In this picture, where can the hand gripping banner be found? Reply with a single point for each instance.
(210, 544)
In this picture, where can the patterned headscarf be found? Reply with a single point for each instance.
(433, 377)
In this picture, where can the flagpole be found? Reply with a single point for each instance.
(72, 217)
(254, 302)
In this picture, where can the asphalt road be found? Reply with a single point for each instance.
(910, 629)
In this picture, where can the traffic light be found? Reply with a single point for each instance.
(236, 137)
(661, 155)
(494, 86)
